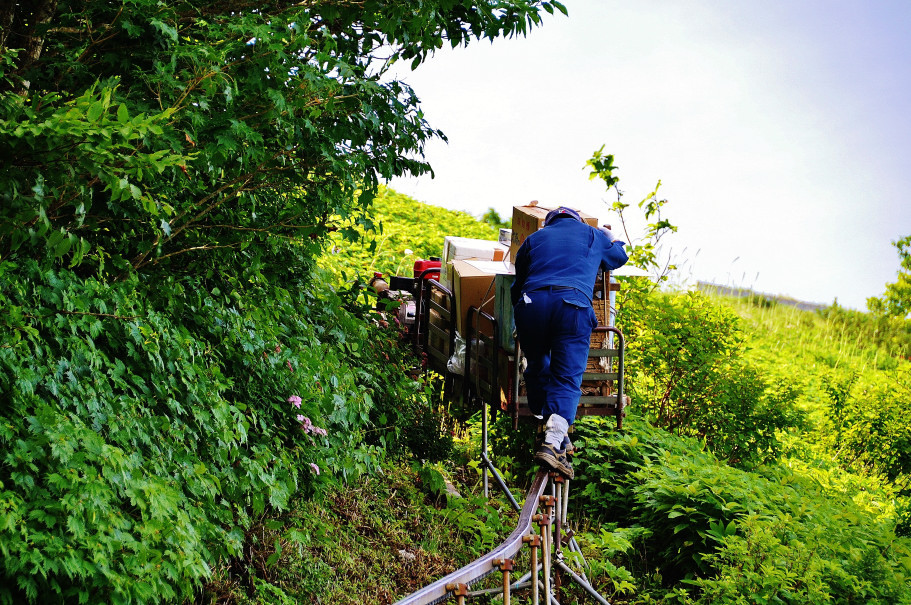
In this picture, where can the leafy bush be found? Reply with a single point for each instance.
(732, 533)
(170, 136)
(815, 558)
(147, 425)
(867, 425)
(686, 371)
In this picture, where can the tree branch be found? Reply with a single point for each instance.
(61, 312)
(185, 250)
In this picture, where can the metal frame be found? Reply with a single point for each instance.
(548, 565)
(610, 402)
(446, 587)
(481, 383)
(437, 357)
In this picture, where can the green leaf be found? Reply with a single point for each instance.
(64, 246)
(168, 30)
(55, 238)
(95, 111)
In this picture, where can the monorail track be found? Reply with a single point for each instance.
(548, 567)
(542, 526)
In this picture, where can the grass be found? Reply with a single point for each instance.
(831, 357)
(374, 541)
(801, 346)
(386, 536)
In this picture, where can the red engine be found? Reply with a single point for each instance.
(423, 268)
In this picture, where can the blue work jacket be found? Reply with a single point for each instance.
(565, 253)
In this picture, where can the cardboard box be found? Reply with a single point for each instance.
(472, 287)
(528, 219)
(462, 248)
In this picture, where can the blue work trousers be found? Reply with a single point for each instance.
(554, 327)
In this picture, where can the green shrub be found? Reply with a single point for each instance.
(828, 554)
(867, 425)
(146, 425)
(687, 373)
(731, 533)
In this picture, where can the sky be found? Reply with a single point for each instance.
(779, 131)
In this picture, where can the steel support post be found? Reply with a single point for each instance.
(484, 444)
(505, 566)
(535, 542)
(585, 585)
(459, 591)
(558, 481)
(488, 465)
(543, 522)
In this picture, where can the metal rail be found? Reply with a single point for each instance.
(548, 569)
(480, 384)
(443, 589)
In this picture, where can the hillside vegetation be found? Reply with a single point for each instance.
(220, 456)
(764, 460)
(176, 374)
(198, 403)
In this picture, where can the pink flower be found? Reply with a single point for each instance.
(290, 367)
(308, 427)
(314, 468)
(294, 400)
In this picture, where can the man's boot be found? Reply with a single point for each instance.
(552, 452)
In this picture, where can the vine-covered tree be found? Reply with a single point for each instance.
(896, 302)
(493, 218)
(185, 135)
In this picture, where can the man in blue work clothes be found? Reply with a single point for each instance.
(556, 269)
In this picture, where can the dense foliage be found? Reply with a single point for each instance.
(192, 136)
(683, 519)
(853, 388)
(896, 302)
(172, 369)
(688, 375)
(144, 433)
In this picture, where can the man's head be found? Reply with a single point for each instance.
(561, 212)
